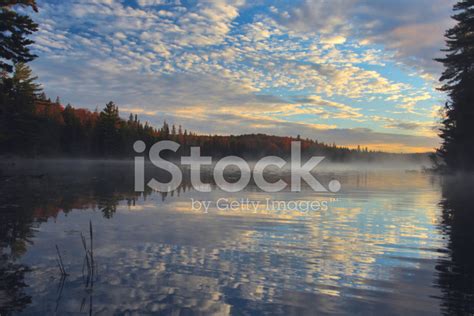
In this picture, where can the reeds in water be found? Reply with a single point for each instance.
(59, 260)
(89, 261)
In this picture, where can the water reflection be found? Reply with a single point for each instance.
(16, 231)
(456, 271)
(12, 286)
(385, 244)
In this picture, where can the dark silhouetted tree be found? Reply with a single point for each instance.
(108, 130)
(165, 130)
(18, 128)
(457, 150)
(14, 31)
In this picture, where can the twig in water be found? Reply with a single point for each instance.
(92, 243)
(60, 291)
(60, 262)
(86, 261)
(89, 258)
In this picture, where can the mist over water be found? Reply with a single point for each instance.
(391, 241)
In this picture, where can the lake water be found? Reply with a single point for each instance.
(389, 242)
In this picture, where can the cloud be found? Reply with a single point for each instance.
(336, 109)
(421, 128)
(405, 125)
(412, 29)
(146, 3)
(411, 101)
(225, 62)
(333, 40)
(325, 17)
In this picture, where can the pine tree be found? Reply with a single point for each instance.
(18, 130)
(110, 114)
(42, 96)
(24, 82)
(457, 150)
(69, 132)
(165, 130)
(14, 29)
(108, 130)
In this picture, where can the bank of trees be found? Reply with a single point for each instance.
(32, 125)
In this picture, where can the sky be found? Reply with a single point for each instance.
(350, 72)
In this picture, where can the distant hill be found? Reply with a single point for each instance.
(50, 129)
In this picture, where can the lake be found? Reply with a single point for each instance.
(389, 242)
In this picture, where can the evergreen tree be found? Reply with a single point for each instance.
(14, 29)
(42, 96)
(108, 130)
(23, 81)
(69, 134)
(165, 130)
(457, 150)
(110, 114)
(17, 106)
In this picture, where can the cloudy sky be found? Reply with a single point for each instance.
(353, 72)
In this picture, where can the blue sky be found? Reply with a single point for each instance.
(353, 72)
